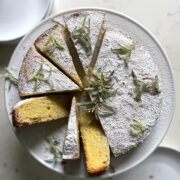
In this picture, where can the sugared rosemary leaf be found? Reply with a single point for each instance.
(137, 128)
(124, 52)
(82, 35)
(51, 44)
(9, 76)
(145, 87)
(39, 76)
(58, 43)
(100, 90)
(54, 150)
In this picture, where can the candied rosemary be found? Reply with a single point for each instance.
(124, 52)
(82, 35)
(53, 143)
(51, 44)
(9, 76)
(137, 128)
(39, 76)
(145, 87)
(100, 90)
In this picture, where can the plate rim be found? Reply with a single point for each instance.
(156, 41)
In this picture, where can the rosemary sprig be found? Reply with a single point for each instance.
(137, 128)
(39, 77)
(82, 35)
(51, 44)
(100, 89)
(124, 52)
(54, 150)
(145, 87)
(9, 76)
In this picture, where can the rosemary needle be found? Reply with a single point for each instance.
(51, 43)
(9, 76)
(137, 128)
(145, 87)
(82, 35)
(100, 90)
(125, 51)
(39, 76)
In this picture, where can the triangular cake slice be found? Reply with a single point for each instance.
(52, 45)
(71, 146)
(85, 30)
(94, 141)
(118, 124)
(38, 76)
(41, 109)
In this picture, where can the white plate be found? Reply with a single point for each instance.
(19, 17)
(33, 138)
(163, 164)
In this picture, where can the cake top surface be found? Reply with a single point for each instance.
(118, 125)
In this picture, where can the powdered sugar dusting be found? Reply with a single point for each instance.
(117, 126)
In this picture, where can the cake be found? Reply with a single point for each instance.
(71, 146)
(85, 30)
(38, 76)
(41, 109)
(131, 109)
(95, 143)
(59, 55)
(113, 78)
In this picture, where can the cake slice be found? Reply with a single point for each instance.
(85, 30)
(95, 143)
(71, 146)
(53, 46)
(41, 109)
(38, 76)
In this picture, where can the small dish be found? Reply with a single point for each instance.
(164, 164)
(19, 17)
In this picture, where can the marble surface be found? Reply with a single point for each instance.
(160, 17)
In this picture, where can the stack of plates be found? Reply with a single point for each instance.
(19, 17)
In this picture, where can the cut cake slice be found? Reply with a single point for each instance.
(41, 109)
(38, 76)
(85, 30)
(52, 44)
(94, 141)
(71, 146)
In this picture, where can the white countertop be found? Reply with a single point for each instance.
(161, 17)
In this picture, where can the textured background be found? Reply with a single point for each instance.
(160, 17)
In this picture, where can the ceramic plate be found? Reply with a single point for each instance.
(19, 17)
(34, 138)
(164, 164)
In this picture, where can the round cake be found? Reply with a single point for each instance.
(111, 79)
